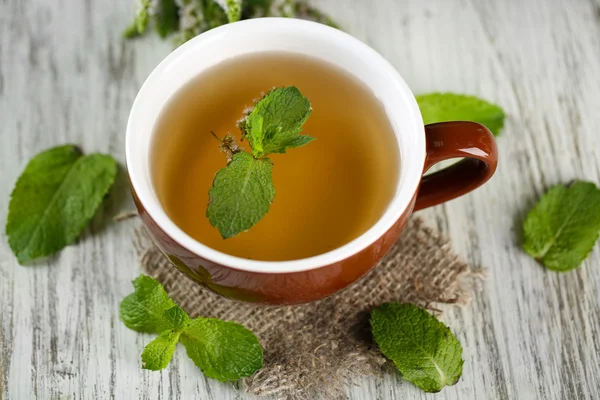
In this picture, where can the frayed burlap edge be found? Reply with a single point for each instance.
(314, 351)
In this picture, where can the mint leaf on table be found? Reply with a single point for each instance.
(158, 353)
(241, 195)
(423, 349)
(275, 123)
(443, 107)
(55, 198)
(222, 350)
(144, 309)
(176, 317)
(561, 230)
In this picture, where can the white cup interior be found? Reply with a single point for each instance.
(276, 34)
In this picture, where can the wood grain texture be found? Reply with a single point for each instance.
(66, 75)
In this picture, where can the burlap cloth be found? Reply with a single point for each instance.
(313, 351)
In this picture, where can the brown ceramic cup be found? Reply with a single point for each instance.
(300, 281)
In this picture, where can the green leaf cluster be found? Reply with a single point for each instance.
(225, 351)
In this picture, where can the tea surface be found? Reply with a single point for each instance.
(328, 192)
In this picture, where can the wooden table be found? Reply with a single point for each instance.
(66, 75)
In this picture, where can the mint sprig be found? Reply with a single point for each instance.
(189, 18)
(423, 349)
(222, 350)
(243, 191)
(562, 229)
(55, 198)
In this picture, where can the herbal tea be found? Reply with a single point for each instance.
(328, 192)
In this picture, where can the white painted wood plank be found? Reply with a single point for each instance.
(67, 76)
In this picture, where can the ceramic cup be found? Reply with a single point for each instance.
(313, 278)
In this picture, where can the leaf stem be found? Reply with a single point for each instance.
(216, 137)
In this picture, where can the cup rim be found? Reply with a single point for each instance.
(411, 161)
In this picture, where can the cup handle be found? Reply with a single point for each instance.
(447, 140)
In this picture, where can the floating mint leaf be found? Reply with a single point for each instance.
(144, 309)
(241, 195)
(243, 191)
(158, 353)
(55, 198)
(423, 349)
(275, 123)
(443, 107)
(561, 230)
(222, 350)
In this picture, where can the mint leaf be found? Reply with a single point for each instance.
(561, 230)
(222, 350)
(233, 9)
(158, 353)
(442, 107)
(213, 14)
(140, 23)
(423, 349)
(55, 198)
(241, 195)
(144, 309)
(275, 123)
(176, 317)
(166, 17)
